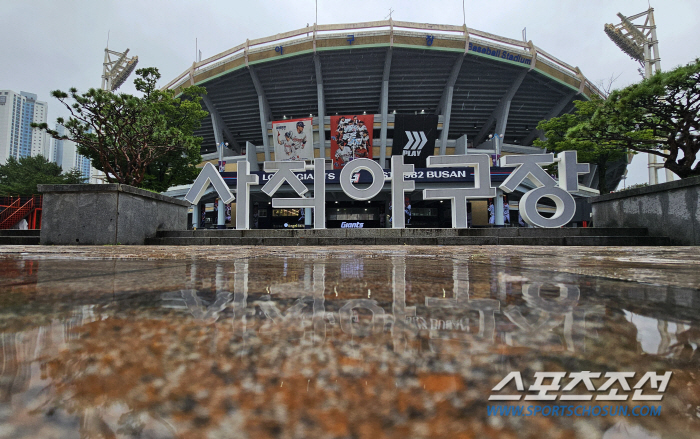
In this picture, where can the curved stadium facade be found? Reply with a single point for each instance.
(476, 85)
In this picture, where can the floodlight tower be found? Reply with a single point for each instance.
(115, 71)
(639, 42)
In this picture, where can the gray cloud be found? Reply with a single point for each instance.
(58, 44)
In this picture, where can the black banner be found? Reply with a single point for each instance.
(414, 137)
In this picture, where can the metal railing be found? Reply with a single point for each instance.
(16, 208)
(385, 27)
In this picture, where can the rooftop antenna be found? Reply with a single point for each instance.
(115, 71)
(391, 11)
(464, 13)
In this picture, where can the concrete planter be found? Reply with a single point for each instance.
(102, 214)
(669, 209)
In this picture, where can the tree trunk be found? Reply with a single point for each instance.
(602, 181)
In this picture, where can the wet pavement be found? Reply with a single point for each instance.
(252, 342)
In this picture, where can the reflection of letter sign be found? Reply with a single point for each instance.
(208, 175)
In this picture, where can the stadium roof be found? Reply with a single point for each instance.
(475, 81)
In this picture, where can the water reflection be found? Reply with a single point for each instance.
(161, 349)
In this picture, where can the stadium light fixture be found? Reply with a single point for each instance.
(115, 71)
(639, 42)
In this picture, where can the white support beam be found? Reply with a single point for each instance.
(220, 126)
(555, 112)
(445, 106)
(500, 113)
(264, 109)
(384, 110)
(321, 104)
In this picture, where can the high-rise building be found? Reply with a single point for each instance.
(65, 154)
(17, 137)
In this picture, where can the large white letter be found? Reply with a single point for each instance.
(362, 194)
(398, 186)
(209, 174)
(243, 183)
(284, 173)
(528, 166)
(459, 196)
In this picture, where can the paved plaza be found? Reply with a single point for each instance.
(403, 341)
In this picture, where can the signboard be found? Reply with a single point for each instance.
(403, 180)
(420, 175)
(414, 137)
(500, 53)
(293, 140)
(351, 138)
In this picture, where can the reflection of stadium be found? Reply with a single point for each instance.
(486, 92)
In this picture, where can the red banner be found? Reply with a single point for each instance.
(351, 138)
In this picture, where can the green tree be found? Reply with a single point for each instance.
(660, 116)
(142, 141)
(561, 136)
(20, 177)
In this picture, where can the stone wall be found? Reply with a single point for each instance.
(668, 209)
(101, 214)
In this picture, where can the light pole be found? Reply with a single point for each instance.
(640, 43)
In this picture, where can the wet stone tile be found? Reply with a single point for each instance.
(299, 342)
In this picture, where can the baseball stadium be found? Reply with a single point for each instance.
(377, 89)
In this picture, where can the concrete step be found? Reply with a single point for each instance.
(511, 232)
(408, 240)
(19, 237)
(15, 232)
(19, 240)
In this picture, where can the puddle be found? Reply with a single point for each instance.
(335, 344)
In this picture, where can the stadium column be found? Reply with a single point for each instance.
(385, 108)
(500, 113)
(556, 111)
(445, 106)
(265, 113)
(219, 125)
(195, 216)
(321, 107)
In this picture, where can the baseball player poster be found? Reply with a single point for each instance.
(293, 139)
(351, 138)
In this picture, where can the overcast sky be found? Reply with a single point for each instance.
(58, 44)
